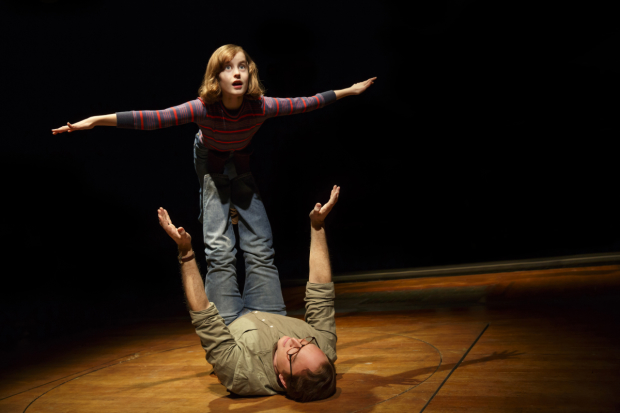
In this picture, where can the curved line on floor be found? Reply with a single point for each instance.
(68, 375)
(101, 368)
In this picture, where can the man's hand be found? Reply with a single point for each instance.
(318, 214)
(182, 238)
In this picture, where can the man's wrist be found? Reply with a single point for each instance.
(187, 256)
(317, 226)
(185, 250)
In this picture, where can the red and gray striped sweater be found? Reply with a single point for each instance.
(219, 129)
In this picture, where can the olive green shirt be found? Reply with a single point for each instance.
(242, 353)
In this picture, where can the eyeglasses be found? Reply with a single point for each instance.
(294, 350)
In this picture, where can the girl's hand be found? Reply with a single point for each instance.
(360, 87)
(81, 125)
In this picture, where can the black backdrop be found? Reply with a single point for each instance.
(488, 135)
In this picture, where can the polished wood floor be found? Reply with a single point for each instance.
(544, 341)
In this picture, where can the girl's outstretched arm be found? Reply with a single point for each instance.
(142, 119)
(289, 106)
(88, 123)
(356, 89)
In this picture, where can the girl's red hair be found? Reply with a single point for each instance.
(210, 91)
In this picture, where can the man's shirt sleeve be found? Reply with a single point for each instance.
(320, 312)
(219, 344)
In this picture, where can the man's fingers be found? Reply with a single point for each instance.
(332, 200)
(183, 233)
(320, 211)
(164, 218)
(334, 195)
(179, 235)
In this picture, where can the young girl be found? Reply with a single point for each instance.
(230, 109)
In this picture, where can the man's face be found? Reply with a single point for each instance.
(308, 357)
(234, 77)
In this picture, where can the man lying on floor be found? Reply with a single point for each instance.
(262, 353)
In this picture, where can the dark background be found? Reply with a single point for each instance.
(488, 135)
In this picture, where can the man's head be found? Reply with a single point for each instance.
(313, 374)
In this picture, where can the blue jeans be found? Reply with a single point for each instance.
(262, 291)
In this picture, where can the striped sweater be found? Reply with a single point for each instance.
(219, 129)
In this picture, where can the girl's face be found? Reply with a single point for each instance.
(234, 77)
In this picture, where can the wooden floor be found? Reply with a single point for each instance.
(544, 341)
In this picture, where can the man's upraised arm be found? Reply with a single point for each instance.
(320, 295)
(320, 269)
(192, 280)
(219, 345)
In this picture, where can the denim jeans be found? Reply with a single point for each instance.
(262, 291)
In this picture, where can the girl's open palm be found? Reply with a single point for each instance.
(81, 125)
(360, 87)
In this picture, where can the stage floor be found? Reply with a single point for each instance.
(507, 342)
